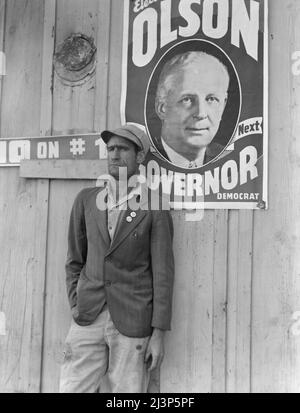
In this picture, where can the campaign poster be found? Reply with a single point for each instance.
(195, 77)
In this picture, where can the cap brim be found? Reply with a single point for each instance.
(106, 135)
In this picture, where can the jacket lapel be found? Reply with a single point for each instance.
(101, 219)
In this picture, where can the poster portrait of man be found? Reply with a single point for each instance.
(192, 92)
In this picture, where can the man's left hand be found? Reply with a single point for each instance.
(155, 349)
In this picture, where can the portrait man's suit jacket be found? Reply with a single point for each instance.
(134, 273)
(212, 150)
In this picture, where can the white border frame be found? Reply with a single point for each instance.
(265, 183)
(124, 60)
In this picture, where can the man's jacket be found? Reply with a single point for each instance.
(133, 274)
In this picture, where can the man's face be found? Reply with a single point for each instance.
(193, 108)
(121, 154)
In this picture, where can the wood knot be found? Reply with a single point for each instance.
(74, 59)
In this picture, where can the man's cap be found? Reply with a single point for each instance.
(131, 132)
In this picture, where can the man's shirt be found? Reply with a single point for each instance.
(116, 209)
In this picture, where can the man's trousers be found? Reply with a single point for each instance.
(96, 350)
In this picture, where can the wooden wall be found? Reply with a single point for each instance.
(237, 283)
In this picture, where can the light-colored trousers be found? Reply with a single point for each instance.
(96, 350)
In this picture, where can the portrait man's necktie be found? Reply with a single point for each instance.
(192, 164)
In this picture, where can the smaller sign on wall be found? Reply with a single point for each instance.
(14, 150)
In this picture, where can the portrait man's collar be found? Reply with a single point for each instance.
(212, 150)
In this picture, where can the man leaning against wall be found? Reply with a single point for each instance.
(119, 275)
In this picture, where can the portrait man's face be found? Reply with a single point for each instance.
(194, 104)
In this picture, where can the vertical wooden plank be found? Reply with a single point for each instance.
(46, 123)
(188, 360)
(239, 302)
(102, 69)
(2, 23)
(2, 29)
(76, 103)
(21, 281)
(232, 294)
(23, 40)
(57, 311)
(47, 68)
(23, 205)
(73, 111)
(115, 65)
(276, 266)
(219, 301)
